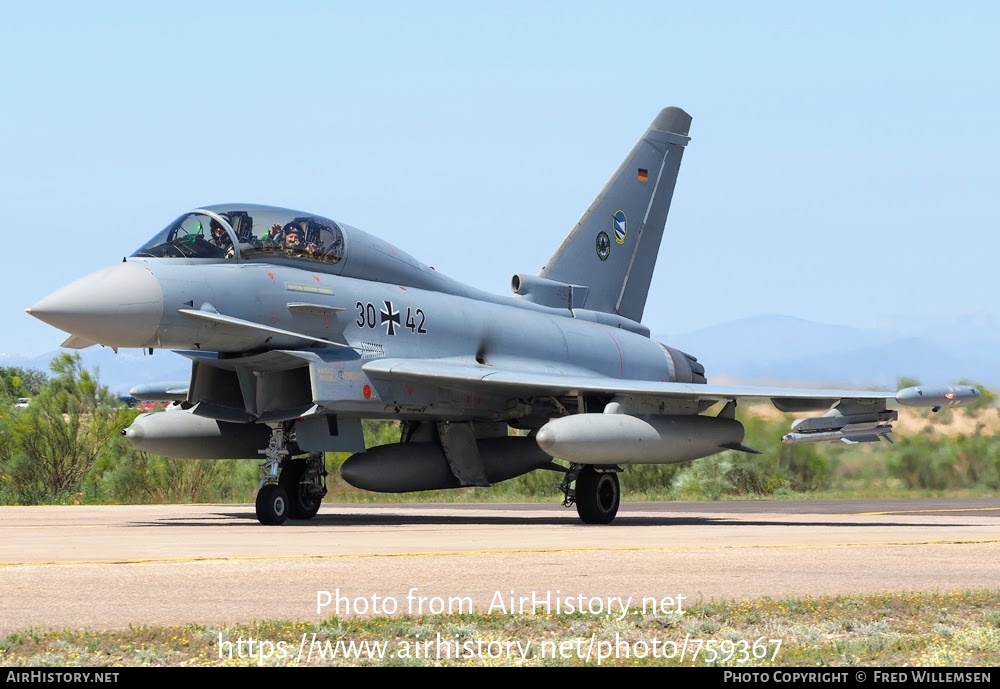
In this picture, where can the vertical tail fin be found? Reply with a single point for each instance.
(613, 249)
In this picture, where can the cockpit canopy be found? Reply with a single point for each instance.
(244, 232)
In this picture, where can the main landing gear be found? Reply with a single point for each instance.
(298, 492)
(597, 492)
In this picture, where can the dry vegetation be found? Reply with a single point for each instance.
(954, 629)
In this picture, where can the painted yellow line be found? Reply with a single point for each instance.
(515, 551)
(957, 509)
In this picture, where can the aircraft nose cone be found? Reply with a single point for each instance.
(120, 306)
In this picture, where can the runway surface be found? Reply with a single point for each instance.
(109, 567)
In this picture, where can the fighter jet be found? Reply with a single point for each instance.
(298, 327)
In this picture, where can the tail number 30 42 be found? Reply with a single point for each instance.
(371, 316)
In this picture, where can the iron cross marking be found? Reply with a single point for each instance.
(390, 318)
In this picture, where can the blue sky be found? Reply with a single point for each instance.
(842, 166)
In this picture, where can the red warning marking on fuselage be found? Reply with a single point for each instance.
(271, 275)
(367, 392)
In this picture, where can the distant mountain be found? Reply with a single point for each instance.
(759, 350)
(770, 349)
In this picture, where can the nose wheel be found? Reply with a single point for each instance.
(305, 482)
(272, 498)
(272, 505)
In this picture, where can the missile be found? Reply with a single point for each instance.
(160, 392)
(835, 420)
(407, 467)
(612, 438)
(183, 435)
(861, 435)
(925, 396)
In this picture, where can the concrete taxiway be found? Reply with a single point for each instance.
(110, 567)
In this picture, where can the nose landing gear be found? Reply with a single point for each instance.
(305, 482)
(298, 492)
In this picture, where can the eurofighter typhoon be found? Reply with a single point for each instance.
(298, 327)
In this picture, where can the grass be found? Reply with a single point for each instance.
(950, 629)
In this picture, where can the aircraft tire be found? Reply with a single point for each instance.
(272, 505)
(598, 495)
(302, 503)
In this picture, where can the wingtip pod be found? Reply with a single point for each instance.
(673, 120)
(949, 396)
